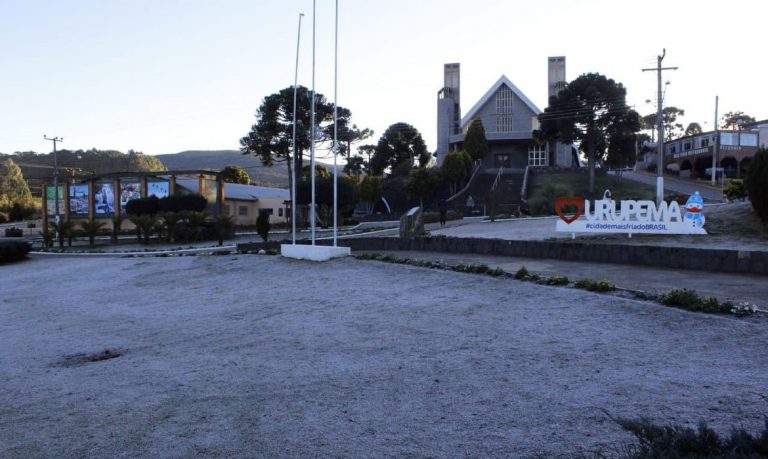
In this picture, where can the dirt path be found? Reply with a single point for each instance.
(263, 356)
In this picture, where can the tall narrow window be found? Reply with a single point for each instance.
(504, 106)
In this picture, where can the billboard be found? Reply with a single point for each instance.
(78, 200)
(50, 198)
(128, 192)
(161, 189)
(104, 198)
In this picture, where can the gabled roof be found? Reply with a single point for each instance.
(483, 100)
(240, 192)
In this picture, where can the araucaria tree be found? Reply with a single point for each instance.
(584, 113)
(271, 138)
(475, 142)
(400, 148)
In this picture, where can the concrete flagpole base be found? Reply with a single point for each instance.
(313, 252)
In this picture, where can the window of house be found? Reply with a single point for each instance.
(704, 143)
(280, 212)
(228, 209)
(537, 156)
(727, 138)
(504, 100)
(266, 211)
(686, 146)
(242, 210)
(749, 140)
(504, 106)
(504, 123)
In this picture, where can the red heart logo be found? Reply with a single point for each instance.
(575, 201)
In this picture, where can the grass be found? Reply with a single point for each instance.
(576, 183)
(674, 441)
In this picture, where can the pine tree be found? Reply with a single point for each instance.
(13, 187)
(475, 143)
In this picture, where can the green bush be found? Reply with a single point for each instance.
(674, 441)
(735, 190)
(11, 251)
(522, 273)
(181, 203)
(19, 212)
(690, 300)
(143, 206)
(556, 280)
(14, 232)
(594, 286)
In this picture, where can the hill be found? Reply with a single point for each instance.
(275, 176)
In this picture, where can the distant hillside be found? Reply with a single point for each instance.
(276, 176)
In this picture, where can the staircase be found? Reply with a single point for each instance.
(507, 186)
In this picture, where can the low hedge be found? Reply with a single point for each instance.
(11, 251)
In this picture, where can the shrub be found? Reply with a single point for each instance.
(14, 232)
(735, 190)
(522, 273)
(594, 286)
(674, 441)
(539, 206)
(224, 227)
(19, 212)
(3, 217)
(91, 229)
(690, 300)
(11, 251)
(181, 203)
(143, 206)
(757, 184)
(557, 280)
(262, 225)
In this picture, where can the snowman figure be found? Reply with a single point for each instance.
(694, 211)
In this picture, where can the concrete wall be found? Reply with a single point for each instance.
(715, 260)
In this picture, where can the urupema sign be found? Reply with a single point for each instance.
(631, 217)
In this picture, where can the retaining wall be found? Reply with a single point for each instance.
(713, 260)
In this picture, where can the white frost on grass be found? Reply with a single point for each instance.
(264, 356)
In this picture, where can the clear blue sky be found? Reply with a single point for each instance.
(163, 76)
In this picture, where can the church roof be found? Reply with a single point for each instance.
(483, 100)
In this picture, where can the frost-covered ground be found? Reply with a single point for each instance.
(268, 357)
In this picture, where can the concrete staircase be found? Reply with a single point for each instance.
(508, 188)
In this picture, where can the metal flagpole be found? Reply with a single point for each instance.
(293, 169)
(335, 126)
(312, 129)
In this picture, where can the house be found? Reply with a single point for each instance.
(692, 155)
(245, 202)
(509, 118)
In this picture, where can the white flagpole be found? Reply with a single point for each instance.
(312, 129)
(293, 169)
(335, 126)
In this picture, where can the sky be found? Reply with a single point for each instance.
(163, 76)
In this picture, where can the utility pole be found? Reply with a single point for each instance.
(660, 122)
(55, 176)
